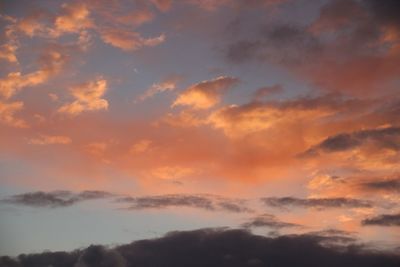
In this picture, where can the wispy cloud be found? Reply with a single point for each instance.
(322, 203)
(55, 199)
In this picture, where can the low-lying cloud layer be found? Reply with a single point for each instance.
(214, 247)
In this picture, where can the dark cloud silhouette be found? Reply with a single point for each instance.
(214, 247)
(285, 202)
(392, 185)
(54, 199)
(383, 220)
(206, 202)
(267, 220)
(381, 138)
(385, 12)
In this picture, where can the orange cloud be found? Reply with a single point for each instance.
(167, 84)
(128, 40)
(74, 18)
(7, 52)
(237, 121)
(137, 17)
(88, 97)
(50, 140)
(141, 146)
(51, 61)
(205, 94)
(7, 112)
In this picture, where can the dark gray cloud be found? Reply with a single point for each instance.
(383, 220)
(267, 220)
(388, 138)
(392, 185)
(214, 247)
(206, 202)
(385, 12)
(287, 202)
(54, 199)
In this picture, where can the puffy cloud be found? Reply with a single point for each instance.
(128, 40)
(205, 94)
(339, 202)
(7, 52)
(55, 199)
(240, 120)
(50, 140)
(383, 220)
(88, 97)
(7, 114)
(217, 247)
(74, 17)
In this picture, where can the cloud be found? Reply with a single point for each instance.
(390, 185)
(50, 140)
(73, 18)
(340, 202)
(267, 91)
(55, 199)
(7, 114)
(338, 51)
(205, 202)
(167, 84)
(51, 62)
(141, 146)
(8, 53)
(381, 138)
(214, 247)
(205, 94)
(128, 40)
(241, 120)
(383, 220)
(267, 220)
(88, 97)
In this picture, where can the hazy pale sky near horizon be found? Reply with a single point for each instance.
(123, 120)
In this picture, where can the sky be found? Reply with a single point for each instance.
(262, 120)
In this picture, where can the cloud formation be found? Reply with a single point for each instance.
(206, 94)
(88, 97)
(50, 140)
(267, 220)
(340, 202)
(389, 185)
(168, 84)
(214, 247)
(7, 114)
(205, 202)
(383, 220)
(128, 40)
(381, 138)
(55, 199)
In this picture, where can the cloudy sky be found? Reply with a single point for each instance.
(125, 120)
